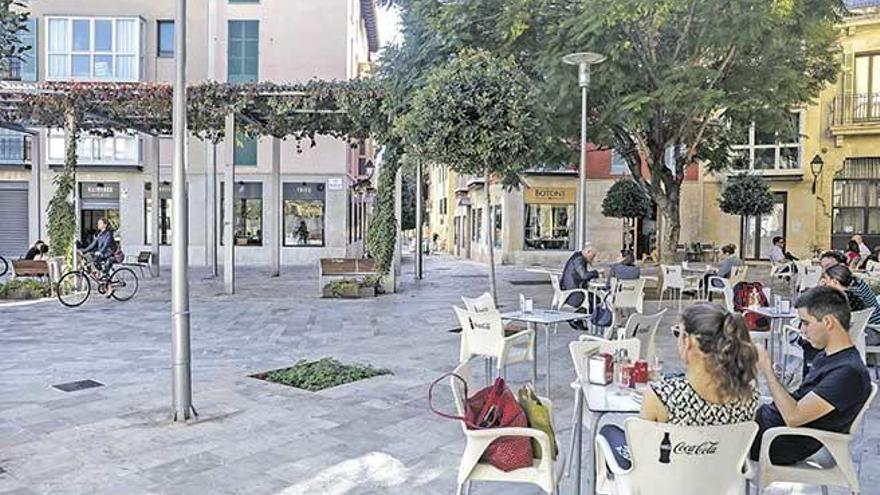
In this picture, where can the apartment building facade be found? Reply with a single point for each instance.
(235, 41)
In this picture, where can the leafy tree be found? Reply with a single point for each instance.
(746, 195)
(680, 78)
(626, 199)
(13, 21)
(475, 115)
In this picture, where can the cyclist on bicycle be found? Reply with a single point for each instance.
(104, 247)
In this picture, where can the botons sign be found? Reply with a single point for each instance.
(551, 195)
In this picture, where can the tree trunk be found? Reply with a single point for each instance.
(490, 229)
(670, 209)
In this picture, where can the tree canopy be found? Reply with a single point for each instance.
(626, 199)
(746, 195)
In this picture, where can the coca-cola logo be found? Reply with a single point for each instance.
(482, 326)
(705, 448)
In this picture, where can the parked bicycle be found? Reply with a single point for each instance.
(74, 287)
(4, 266)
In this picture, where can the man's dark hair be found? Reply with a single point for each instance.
(822, 301)
(837, 255)
(777, 239)
(728, 249)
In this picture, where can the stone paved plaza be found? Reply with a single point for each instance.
(254, 437)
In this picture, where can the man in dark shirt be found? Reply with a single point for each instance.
(834, 390)
(577, 274)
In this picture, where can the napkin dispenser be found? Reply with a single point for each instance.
(601, 368)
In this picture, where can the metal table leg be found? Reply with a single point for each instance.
(547, 356)
(534, 330)
(594, 426)
(578, 435)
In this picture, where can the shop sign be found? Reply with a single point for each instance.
(99, 190)
(551, 195)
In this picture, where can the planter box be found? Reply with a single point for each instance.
(19, 295)
(349, 293)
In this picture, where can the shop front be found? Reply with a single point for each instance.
(97, 200)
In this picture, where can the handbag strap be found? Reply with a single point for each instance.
(431, 397)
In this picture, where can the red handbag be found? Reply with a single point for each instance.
(494, 407)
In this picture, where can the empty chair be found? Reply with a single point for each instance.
(684, 460)
(872, 266)
(545, 472)
(831, 466)
(738, 274)
(644, 328)
(479, 304)
(629, 294)
(674, 280)
(482, 334)
(808, 277)
(718, 285)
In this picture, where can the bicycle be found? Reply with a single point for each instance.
(4, 266)
(74, 287)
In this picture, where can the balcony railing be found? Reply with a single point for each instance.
(856, 108)
(15, 150)
(10, 69)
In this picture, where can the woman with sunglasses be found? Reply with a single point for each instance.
(719, 383)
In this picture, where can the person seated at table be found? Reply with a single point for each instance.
(624, 269)
(577, 273)
(853, 255)
(725, 267)
(719, 384)
(834, 391)
(864, 250)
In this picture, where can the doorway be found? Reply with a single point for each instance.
(757, 233)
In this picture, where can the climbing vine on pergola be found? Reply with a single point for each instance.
(349, 110)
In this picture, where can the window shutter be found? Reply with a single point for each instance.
(847, 75)
(29, 56)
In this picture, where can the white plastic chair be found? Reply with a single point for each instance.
(674, 280)
(482, 334)
(808, 277)
(630, 294)
(544, 472)
(560, 296)
(703, 459)
(718, 285)
(479, 304)
(831, 466)
(872, 266)
(858, 325)
(644, 328)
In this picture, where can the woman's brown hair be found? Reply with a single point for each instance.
(724, 338)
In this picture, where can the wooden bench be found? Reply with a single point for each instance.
(340, 268)
(30, 268)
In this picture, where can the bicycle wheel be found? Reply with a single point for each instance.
(124, 284)
(4, 266)
(73, 289)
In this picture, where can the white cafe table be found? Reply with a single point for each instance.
(600, 400)
(545, 318)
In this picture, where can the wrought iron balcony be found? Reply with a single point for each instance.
(856, 109)
(15, 149)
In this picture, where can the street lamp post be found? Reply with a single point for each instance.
(583, 60)
(181, 374)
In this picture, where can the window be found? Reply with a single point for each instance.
(866, 100)
(618, 164)
(477, 225)
(164, 213)
(758, 232)
(93, 48)
(243, 51)
(247, 213)
(304, 214)
(770, 149)
(96, 150)
(856, 201)
(245, 149)
(164, 39)
(548, 226)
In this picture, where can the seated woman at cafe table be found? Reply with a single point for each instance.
(725, 267)
(624, 269)
(833, 392)
(719, 384)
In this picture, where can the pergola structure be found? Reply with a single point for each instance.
(210, 111)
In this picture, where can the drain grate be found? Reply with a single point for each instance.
(78, 385)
